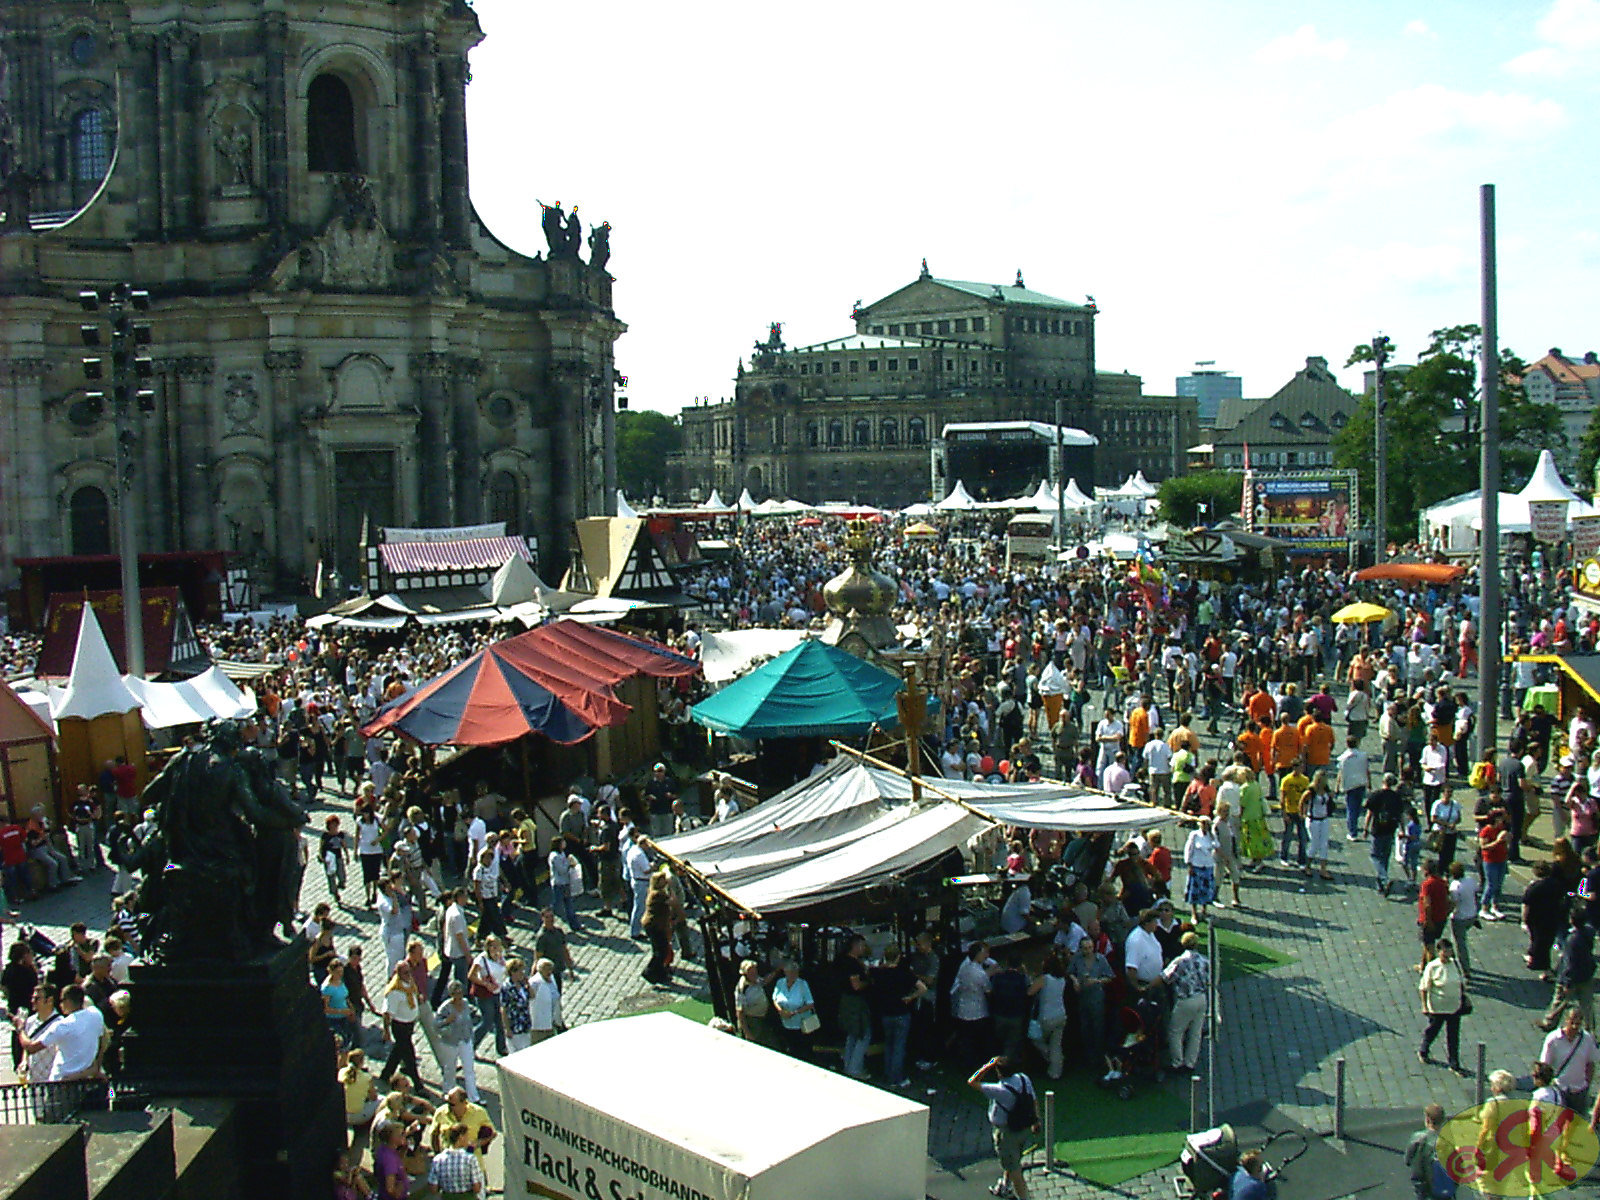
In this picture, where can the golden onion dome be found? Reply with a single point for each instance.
(860, 590)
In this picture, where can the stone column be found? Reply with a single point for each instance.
(277, 120)
(426, 165)
(197, 448)
(27, 518)
(431, 370)
(139, 135)
(453, 148)
(287, 444)
(469, 452)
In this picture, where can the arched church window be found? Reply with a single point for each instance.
(862, 432)
(90, 515)
(916, 431)
(331, 143)
(505, 501)
(91, 146)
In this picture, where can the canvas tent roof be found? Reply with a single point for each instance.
(1075, 497)
(19, 722)
(727, 655)
(94, 688)
(959, 499)
(624, 509)
(1546, 482)
(838, 1137)
(206, 697)
(853, 826)
(813, 690)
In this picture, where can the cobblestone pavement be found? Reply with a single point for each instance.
(1349, 993)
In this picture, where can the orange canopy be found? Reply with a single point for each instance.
(1416, 572)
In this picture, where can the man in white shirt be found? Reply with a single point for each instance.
(76, 1037)
(1158, 762)
(636, 874)
(457, 944)
(1108, 735)
(1141, 953)
(1571, 1052)
(477, 840)
(1116, 776)
(1354, 771)
(1017, 910)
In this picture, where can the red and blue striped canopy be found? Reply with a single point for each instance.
(555, 680)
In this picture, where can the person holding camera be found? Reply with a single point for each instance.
(1014, 1117)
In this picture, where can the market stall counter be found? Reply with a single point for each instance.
(585, 1125)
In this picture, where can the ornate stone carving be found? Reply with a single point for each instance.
(234, 143)
(241, 404)
(280, 361)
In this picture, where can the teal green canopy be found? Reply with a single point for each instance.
(814, 690)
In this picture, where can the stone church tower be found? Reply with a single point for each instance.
(337, 338)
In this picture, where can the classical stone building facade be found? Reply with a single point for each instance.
(338, 340)
(854, 418)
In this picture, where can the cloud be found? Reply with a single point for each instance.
(1571, 33)
(1303, 43)
(1419, 28)
(1432, 115)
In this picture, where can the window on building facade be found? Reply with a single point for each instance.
(836, 433)
(855, 366)
(505, 501)
(977, 324)
(91, 146)
(835, 366)
(999, 367)
(811, 433)
(872, 365)
(944, 326)
(927, 327)
(911, 364)
(331, 143)
(90, 517)
(877, 329)
(861, 433)
(916, 431)
(961, 324)
(894, 364)
(888, 433)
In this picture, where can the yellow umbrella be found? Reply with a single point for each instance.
(1361, 613)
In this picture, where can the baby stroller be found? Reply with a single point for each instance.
(1138, 1055)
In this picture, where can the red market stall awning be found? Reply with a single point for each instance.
(1413, 572)
(555, 680)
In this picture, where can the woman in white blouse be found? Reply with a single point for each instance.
(1443, 999)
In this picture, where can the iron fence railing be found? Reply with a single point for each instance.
(51, 1103)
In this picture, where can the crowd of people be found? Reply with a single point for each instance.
(1264, 729)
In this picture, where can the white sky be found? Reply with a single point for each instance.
(1249, 182)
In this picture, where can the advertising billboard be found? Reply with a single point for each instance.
(1315, 512)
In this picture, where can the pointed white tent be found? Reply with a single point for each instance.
(1045, 498)
(513, 583)
(1142, 484)
(958, 500)
(746, 502)
(714, 500)
(1546, 483)
(1074, 495)
(624, 509)
(97, 717)
(94, 688)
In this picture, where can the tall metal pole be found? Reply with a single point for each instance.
(1061, 495)
(1489, 647)
(1380, 450)
(128, 546)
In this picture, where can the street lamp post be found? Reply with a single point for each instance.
(1380, 475)
(129, 392)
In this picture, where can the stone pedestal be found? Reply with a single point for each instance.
(252, 1033)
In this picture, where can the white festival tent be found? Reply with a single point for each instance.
(746, 502)
(959, 500)
(920, 509)
(624, 509)
(576, 1109)
(1075, 497)
(1545, 484)
(727, 655)
(94, 689)
(715, 502)
(773, 507)
(1142, 485)
(853, 826)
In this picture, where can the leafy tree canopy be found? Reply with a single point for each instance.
(644, 439)
(1183, 496)
(1432, 414)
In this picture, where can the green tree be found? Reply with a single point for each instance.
(1588, 454)
(1432, 412)
(644, 439)
(1182, 496)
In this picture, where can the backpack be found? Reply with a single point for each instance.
(1441, 1184)
(1482, 777)
(1023, 1114)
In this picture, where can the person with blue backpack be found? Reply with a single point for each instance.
(1429, 1179)
(1014, 1116)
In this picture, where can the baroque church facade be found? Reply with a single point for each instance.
(339, 343)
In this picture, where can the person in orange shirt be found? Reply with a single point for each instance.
(1139, 730)
(1253, 743)
(1285, 748)
(1262, 707)
(1318, 743)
